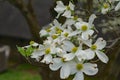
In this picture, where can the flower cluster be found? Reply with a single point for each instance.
(109, 5)
(69, 47)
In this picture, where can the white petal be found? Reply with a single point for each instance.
(71, 6)
(85, 35)
(60, 7)
(91, 19)
(47, 59)
(88, 42)
(104, 11)
(37, 54)
(68, 22)
(56, 23)
(57, 60)
(65, 71)
(81, 55)
(77, 25)
(102, 56)
(90, 54)
(100, 43)
(55, 66)
(90, 69)
(67, 14)
(117, 7)
(79, 76)
(43, 33)
(67, 45)
(69, 56)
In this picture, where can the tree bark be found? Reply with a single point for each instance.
(28, 12)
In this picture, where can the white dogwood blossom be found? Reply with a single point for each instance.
(87, 68)
(66, 10)
(97, 48)
(69, 46)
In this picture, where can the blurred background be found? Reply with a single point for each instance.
(14, 30)
(20, 22)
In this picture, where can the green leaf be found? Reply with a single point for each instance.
(21, 50)
(26, 52)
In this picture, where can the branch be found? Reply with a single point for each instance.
(28, 12)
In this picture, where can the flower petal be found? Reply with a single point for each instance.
(89, 54)
(47, 59)
(102, 56)
(117, 7)
(90, 69)
(55, 66)
(100, 43)
(91, 19)
(60, 7)
(79, 76)
(69, 56)
(67, 14)
(37, 54)
(65, 71)
(71, 6)
(67, 45)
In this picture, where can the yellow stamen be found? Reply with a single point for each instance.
(63, 59)
(84, 28)
(47, 51)
(68, 8)
(79, 66)
(106, 5)
(93, 47)
(74, 49)
(54, 36)
(59, 31)
(75, 17)
(48, 30)
(66, 34)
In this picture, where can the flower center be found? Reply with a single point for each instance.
(66, 34)
(63, 59)
(74, 49)
(84, 28)
(47, 51)
(68, 8)
(79, 66)
(106, 5)
(59, 31)
(75, 18)
(93, 47)
(54, 36)
(48, 30)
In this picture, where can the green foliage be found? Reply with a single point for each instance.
(26, 51)
(22, 72)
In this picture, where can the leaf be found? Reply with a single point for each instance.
(26, 52)
(21, 50)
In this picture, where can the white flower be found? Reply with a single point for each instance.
(65, 67)
(66, 10)
(76, 52)
(97, 48)
(38, 53)
(105, 8)
(85, 30)
(87, 68)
